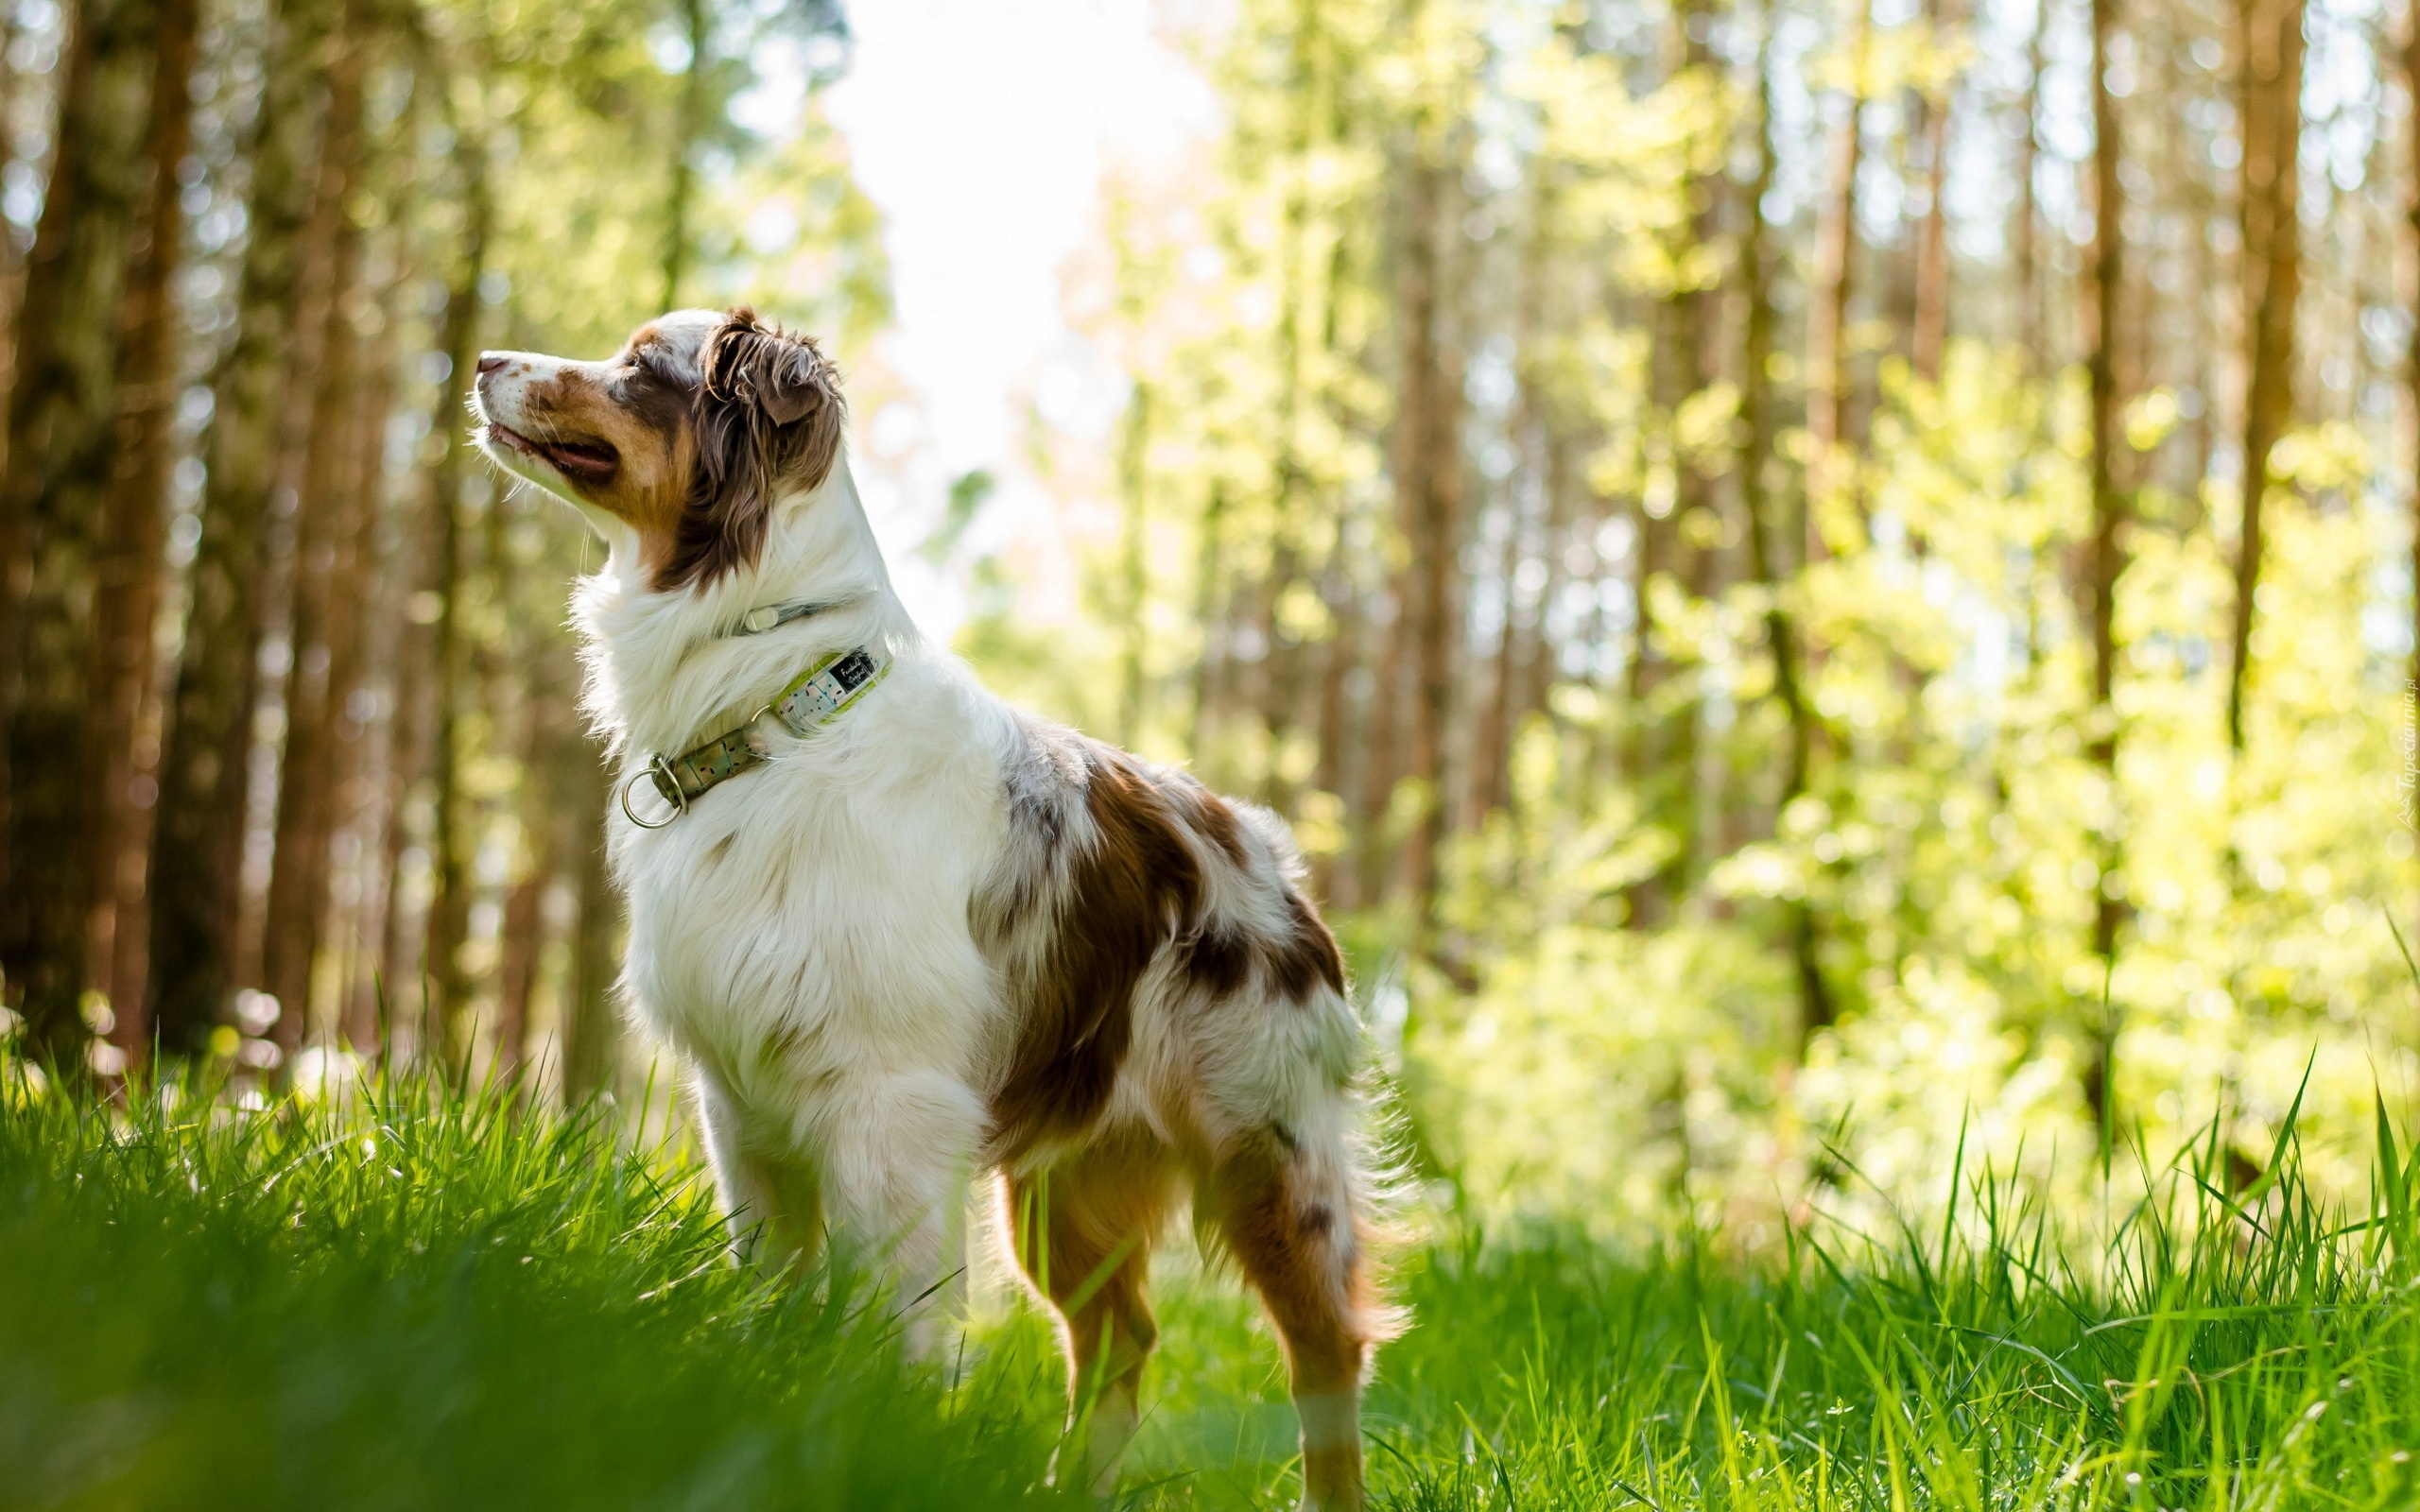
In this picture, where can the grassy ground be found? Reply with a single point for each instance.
(429, 1303)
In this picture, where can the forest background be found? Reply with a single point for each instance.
(1724, 527)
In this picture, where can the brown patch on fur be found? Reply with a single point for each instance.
(768, 415)
(1130, 892)
(641, 414)
(1219, 960)
(1211, 817)
(1306, 956)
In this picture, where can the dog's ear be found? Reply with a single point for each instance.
(768, 421)
(783, 378)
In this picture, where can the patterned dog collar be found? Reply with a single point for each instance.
(813, 700)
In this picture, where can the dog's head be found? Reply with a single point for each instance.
(688, 436)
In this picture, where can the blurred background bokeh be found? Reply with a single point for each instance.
(1823, 582)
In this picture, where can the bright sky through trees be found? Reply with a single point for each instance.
(981, 129)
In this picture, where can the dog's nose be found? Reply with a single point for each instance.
(490, 362)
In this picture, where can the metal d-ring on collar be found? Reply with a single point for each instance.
(662, 771)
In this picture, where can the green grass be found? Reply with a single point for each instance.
(433, 1303)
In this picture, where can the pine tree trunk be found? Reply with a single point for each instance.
(1931, 328)
(1133, 474)
(556, 819)
(1334, 879)
(411, 756)
(1428, 500)
(1764, 534)
(695, 22)
(1209, 598)
(129, 566)
(2028, 212)
(1827, 310)
(2272, 51)
(327, 527)
(198, 830)
(449, 914)
(62, 425)
(361, 671)
(591, 1025)
(2105, 558)
(2411, 118)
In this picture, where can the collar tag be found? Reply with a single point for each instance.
(830, 686)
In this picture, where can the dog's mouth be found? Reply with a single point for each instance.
(589, 461)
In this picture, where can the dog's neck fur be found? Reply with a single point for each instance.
(664, 672)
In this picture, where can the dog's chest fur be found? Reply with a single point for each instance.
(809, 919)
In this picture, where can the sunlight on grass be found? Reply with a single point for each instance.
(423, 1299)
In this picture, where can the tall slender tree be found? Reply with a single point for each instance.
(679, 234)
(1428, 495)
(2105, 559)
(448, 991)
(206, 745)
(1766, 532)
(2412, 121)
(328, 523)
(2271, 42)
(127, 564)
(1930, 330)
(1827, 311)
(62, 425)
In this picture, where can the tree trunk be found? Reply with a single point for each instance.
(1931, 328)
(1492, 745)
(556, 819)
(1764, 533)
(2105, 559)
(449, 916)
(591, 1024)
(197, 842)
(411, 755)
(328, 525)
(1134, 586)
(127, 569)
(1827, 310)
(2272, 51)
(1334, 879)
(683, 190)
(61, 424)
(2028, 212)
(1429, 499)
(2411, 118)
(374, 576)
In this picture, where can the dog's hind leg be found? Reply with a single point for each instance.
(1286, 1204)
(1083, 1231)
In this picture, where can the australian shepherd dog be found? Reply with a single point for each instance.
(904, 935)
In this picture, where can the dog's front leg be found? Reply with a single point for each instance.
(771, 1197)
(898, 1151)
